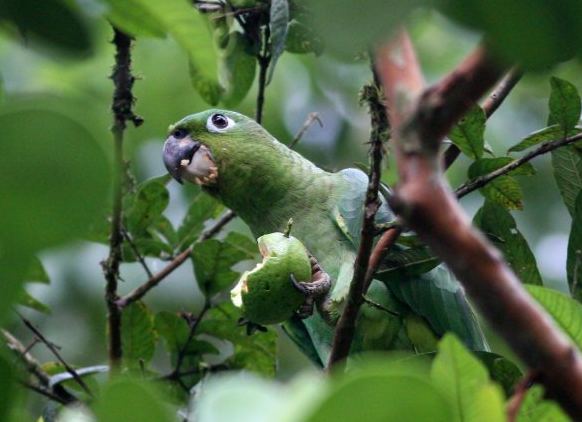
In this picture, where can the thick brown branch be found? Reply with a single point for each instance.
(489, 106)
(427, 205)
(139, 292)
(346, 326)
(544, 148)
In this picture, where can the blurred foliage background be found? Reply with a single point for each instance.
(35, 75)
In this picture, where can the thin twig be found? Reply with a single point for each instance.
(139, 292)
(32, 366)
(47, 392)
(489, 106)
(136, 251)
(311, 118)
(345, 328)
(544, 148)
(264, 59)
(56, 353)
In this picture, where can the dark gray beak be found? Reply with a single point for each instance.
(175, 151)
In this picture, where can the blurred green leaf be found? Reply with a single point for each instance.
(302, 39)
(501, 370)
(565, 107)
(574, 261)
(30, 302)
(278, 24)
(468, 133)
(546, 134)
(202, 208)
(213, 260)
(466, 382)
(497, 223)
(134, 18)
(551, 28)
(484, 166)
(236, 69)
(36, 272)
(567, 313)
(148, 203)
(378, 392)
(567, 164)
(139, 337)
(7, 389)
(535, 409)
(257, 352)
(208, 89)
(126, 400)
(61, 169)
(55, 24)
(504, 190)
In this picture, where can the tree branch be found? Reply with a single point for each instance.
(141, 291)
(544, 148)
(426, 204)
(264, 59)
(346, 326)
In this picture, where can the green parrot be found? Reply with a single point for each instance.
(238, 162)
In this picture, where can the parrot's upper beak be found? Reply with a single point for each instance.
(178, 153)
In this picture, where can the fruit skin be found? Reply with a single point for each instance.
(266, 294)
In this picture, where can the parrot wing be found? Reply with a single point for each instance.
(431, 293)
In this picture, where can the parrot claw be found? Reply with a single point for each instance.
(314, 290)
(251, 326)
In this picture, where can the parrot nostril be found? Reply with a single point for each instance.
(179, 133)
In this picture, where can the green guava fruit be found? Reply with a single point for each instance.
(266, 294)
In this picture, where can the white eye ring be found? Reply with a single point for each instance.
(212, 127)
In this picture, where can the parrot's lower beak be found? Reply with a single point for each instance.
(178, 153)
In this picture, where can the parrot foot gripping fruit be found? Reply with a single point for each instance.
(270, 293)
(315, 291)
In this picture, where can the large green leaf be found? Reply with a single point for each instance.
(466, 382)
(551, 28)
(257, 352)
(574, 261)
(134, 18)
(236, 69)
(131, 400)
(567, 313)
(278, 24)
(139, 337)
(565, 107)
(54, 176)
(567, 164)
(484, 166)
(54, 24)
(213, 260)
(468, 133)
(201, 209)
(175, 331)
(7, 389)
(496, 222)
(406, 262)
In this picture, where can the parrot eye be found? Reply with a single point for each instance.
(179, 133)
(219, 123)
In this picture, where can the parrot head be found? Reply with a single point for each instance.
(203, 146)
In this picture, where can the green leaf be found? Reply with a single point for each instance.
(203, 207)
(52, 158)
(55, 25)
(148, 203)
(567, 164)
(501, 370)
(243, 243)
(131, 400)
(566, 312)
(546, 134)
(236, 69)
(278, 23)
(208, 89)
(565, 107)
(7, 389)
(257, 352)
(139, 336)
(484, 166)
(468, 133)
(213, 260)
(147, 246)
(535, 409)
(165, 228)
(497, 223)
(466, 382)
(175, 331)
(505, 191)
(36, 272)
(30, 302)
(134, 18)
(408, 262)
(574, 261)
